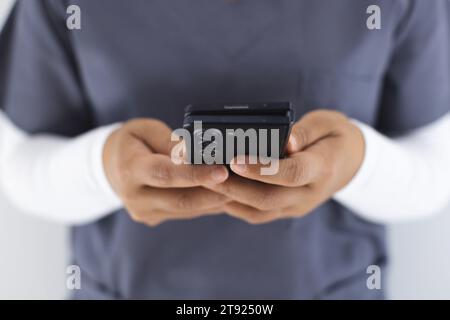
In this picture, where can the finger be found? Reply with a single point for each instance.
(257, 194)
(154, 133)
(196, 213)
(157, 217)
(310, 200)
(179, 154)
(159, 171)
(313, 127)
(252, 215)
(181, 200)
(299, 169)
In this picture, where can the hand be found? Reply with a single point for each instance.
(325, 150)
(137, 163)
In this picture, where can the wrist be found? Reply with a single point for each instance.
(367, 163)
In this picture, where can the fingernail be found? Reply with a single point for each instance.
(219, 175)
(238, 167)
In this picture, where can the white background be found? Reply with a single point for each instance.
(34, 254)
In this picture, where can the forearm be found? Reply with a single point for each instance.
(56, 178)
(63, 179)
(404, 178)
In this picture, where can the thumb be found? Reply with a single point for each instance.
(154, 133)
(312, 127)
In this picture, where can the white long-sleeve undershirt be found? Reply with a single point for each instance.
(401, 179)
(63, 179)
(55, 178)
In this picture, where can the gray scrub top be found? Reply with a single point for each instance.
(152, 58)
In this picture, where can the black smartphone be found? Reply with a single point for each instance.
(221, 131)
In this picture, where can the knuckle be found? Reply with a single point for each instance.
(302, 136)
(148, 218)
(268, 200)
(294, 172)
(227, 189)
(152, 221)
(162, 174)
(315, 115)
(276, 214)
(132, 123)
(183, 201)
(350, 130)
(260, 218)
(252, 220)
(155, 123)
(216, 198)
(339, 116)
(141, 122)
(332, 116)
(191, 174)
(320, 115)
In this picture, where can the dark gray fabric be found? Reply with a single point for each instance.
(151, 58)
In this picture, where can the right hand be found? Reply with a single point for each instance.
(137, 163)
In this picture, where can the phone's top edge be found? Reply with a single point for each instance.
(236, 107)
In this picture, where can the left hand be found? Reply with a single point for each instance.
(325, 150)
